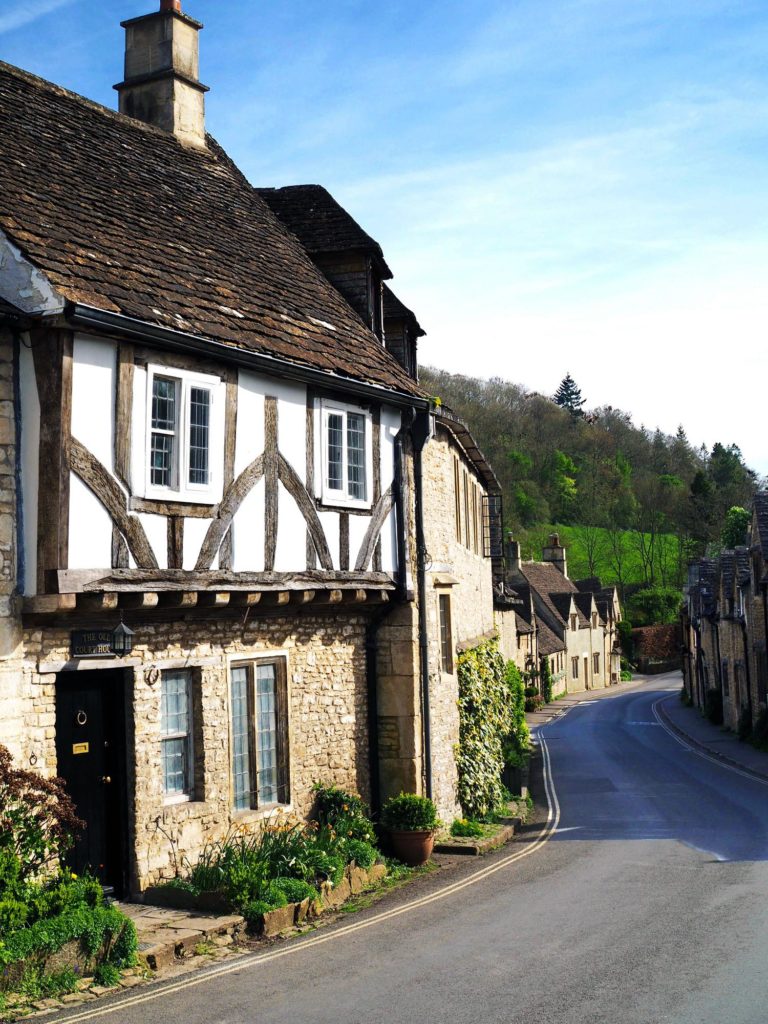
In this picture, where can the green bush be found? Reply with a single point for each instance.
(295, 889)
(626, 675)
(409, 813)
(485, 720)
(546, 681)
(13, 915)
(363, 854)
(106, 974)
(466, 827)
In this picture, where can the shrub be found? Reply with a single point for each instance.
(466, 827)
(363, 854)
(546, 681)
(295, 889)
(37, 818)
(517, 741)
(409, 813)
(106, 974)
(485, 720)
(626, 675)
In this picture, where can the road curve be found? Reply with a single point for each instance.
(645, 906)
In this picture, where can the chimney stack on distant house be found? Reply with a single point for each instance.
(554, 552)
(513, 554)
(162, 66)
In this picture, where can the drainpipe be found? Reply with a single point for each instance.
(420, 432)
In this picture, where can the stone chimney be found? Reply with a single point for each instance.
(554, 552)
(162, 66)
(513, 555)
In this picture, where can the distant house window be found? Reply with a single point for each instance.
(176, 733)
(185, 417)
(446, 634)
(574, 623)
(726, 679)
(346, 455)
(575, 668)
(596, 664)
(259, 738)
(594, 620)
(457, 497)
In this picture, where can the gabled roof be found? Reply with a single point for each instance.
(394, 309)
(584, 604)
(591, 585)
(118, 215)
(549, 642)
(321, 224)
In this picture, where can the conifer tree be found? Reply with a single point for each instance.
(568, 396)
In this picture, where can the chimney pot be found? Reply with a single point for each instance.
(170, 5)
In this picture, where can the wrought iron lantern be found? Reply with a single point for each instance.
(122, 640)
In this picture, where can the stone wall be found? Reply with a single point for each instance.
(328, 719)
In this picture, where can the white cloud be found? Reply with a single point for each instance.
(25, 13)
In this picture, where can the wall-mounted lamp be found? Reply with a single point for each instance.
(122, 640)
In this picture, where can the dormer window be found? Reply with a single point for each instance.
(574, 623)
(184, 435)
(346, 455)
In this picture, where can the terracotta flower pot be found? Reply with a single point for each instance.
(412, 848)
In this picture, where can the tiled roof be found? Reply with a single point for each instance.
(396, 310)
(552, 588)
(584, 604)
(320, 223)
(549, 642)
(120, 216)
(522, 624)
(591, 585)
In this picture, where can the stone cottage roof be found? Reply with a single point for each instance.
(119, 216)
(394, 309)
(321, 224)
(549, 642)
(590, 585)
(584, 605)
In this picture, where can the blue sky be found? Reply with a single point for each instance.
(558, 185)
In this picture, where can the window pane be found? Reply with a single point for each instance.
(335, 443)
(199, 427)
(163, 404)
(241, 761)
(356, 455)
(266, 733)
(174, 721)
(161, 456)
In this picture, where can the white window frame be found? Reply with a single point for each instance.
(189, 736)
(283, 717)
(181, 490)
(340, 496)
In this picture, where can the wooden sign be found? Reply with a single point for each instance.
(91, 643)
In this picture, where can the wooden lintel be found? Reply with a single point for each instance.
(215, 599)
(49, 604)
(178, 599)
(139, 599)
(97, 602)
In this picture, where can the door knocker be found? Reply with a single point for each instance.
(81, 718)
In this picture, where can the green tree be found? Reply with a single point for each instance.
(737, 522)
(568, 396)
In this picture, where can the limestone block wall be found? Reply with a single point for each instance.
(506, 626)
(328, 720)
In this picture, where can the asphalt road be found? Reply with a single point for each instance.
(646, 905)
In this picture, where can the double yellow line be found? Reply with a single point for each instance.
(293, 948)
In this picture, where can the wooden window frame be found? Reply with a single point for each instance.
(188, 736)
(446, 633)
(339, 497)
(596, 663)
(457, 497)
(575, 667)
(282, 714)
(574, 622)
(181, 490)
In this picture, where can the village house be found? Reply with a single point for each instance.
(576, 621)
(725, 625)
(240, 547)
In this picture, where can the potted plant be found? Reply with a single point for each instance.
(411, 821)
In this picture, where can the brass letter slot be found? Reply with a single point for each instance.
(80, 748)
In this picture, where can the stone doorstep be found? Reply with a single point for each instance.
(165, 937)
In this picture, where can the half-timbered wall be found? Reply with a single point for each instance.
(264, 509)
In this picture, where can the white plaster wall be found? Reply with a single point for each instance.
(330, 523)
(90, 529)
(30, 457)
(156, 529)
(357, 529)
(390, 425)
(291, 423)
(139, 429)
(250, 420)
(291, 549)
(194, 535)
(248, 532)
(389, 543)
(93, 398)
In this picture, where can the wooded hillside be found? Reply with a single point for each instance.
(642, 503)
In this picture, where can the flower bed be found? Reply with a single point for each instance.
(283, 866)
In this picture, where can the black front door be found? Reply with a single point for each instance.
(90, 747)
